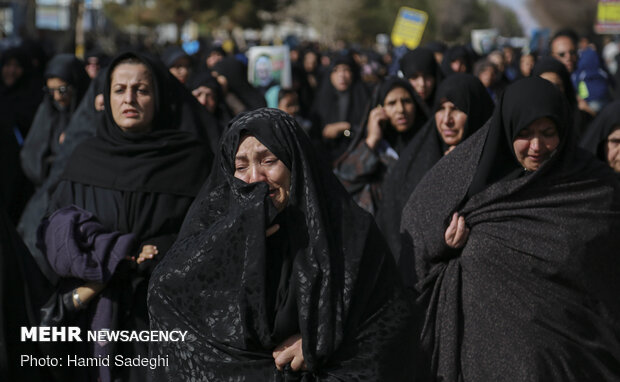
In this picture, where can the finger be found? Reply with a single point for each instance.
(273, 229)
(460, 229)
(451, 230)
(296, 363)
(284, 358)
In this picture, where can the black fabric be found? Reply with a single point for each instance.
(42, 143)
(532, 295)
(325, 109)
(222, 114)
(498, 159)
(172, 54)
(422, 60)
(162, 160)
(458, 52)
(237, 79)
(550, 64)
(398, 141)
(82, 126)
(599, 130)
(148, 208)
(16, 281)
(326, 274)
(19, 102)
(426, 148)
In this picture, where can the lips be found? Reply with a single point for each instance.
(130, 113)
(449, 133)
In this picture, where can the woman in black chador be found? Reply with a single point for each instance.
(339, 107)
(277, 275)
(66, 83)
(388, 128)
(462, 106)
(513, 241)
(136, 178)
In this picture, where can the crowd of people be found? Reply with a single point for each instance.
(424, 215)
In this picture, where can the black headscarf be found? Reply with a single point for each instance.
(422, 60)
(237, 76)
(606, 121)
(222, 115)
(398, 141)
(535, 287)
(326, 108)
(163, 159)
(550, 64)
(42, 143)
(454, 53)
(526, 102)
(18, 105)
(426, 148)
(326, 274)
(82, 126)
(172, 54)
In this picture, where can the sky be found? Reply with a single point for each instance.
(527, 21)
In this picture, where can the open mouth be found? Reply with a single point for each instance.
(130, 113)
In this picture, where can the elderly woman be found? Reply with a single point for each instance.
(277, 275)
(603, 136)
(389, 127)
(134, 182)
(462, 106)
(514, 241)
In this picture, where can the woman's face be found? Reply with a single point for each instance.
(612, 149)
(535, 144)
(554, 78)
(11, 72)
(526, 64)
(206, 97)
(181, 69)
(341, 77)
(400, 109)
(450, 123)
(255, 163)
(59, 90)
(458, 66)
(423, 84)
(131, 97)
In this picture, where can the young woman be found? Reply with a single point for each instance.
(388, 129)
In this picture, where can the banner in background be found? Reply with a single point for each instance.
(269, 65)
(409, 27)
(608, 17)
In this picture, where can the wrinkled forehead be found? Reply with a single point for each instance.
(270, 128)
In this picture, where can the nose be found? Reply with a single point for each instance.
(257, 174)
(128, 97)
(535, 144)
(399, 107)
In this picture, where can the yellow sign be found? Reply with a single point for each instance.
(409, 27)
(608, 17)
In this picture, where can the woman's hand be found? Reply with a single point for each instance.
(334, 130)
(375, 132)
(148, 251)
(290, 351)
(271, 230)
(457, 232)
